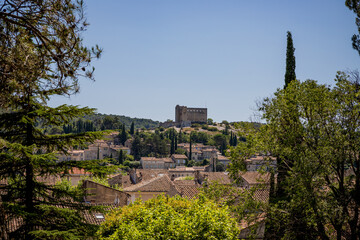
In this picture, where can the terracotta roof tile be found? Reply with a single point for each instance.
(253, 177)
(189, 191)
(220, 177)
(179, 156)
(179, 181)
(146, 174)
(161, 183)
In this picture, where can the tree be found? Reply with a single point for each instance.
(132, 128)
(123, 135)
(190, 149)
(181, 138)
(210, 121)
(42, 55)
(354, 5)
(284, 165)
(121, 157)
(136, 147)
(290, 61)
(317, 128)
(166, 217)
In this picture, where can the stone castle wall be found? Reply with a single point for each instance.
(197, 115)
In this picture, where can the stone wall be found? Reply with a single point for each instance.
(197, 115)
(98, 193)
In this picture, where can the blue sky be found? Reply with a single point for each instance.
(221, 54)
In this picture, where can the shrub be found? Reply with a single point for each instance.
(170, 218)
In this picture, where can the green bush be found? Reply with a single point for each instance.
(170, 218)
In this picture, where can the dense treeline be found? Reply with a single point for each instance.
(162, 143)
(99, 122)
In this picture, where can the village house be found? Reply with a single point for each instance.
(182, 171)
(251, 179)
(224, 160)
(100, 149)
(149, 189)
(260, 162)
(199, 151)
(179, 159)
(100, 194)
(156, 163)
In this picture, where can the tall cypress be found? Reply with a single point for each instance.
(132, 129)
(121, 157)
(290, 61)
(123, 136)
(279, 194)
(172, 147)
(176, 142)
(190, 150)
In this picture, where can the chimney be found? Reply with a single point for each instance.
(132, 173)
(197, 177)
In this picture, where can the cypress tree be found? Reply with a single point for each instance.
(190, 151)
(123, 136)
(282, 167)
(176, 142)
(121, 157)
(136, 147)
(172, 146)
(290, 61)
(132, 129)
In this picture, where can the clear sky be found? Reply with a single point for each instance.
(221, 54)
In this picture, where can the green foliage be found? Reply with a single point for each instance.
(354, 5)
(153, 144)
(212, 129)
(123, 135)
(290, 61)
(132, 164)
(200, 137)
(180, 151)
(241, 202)
(139, 123)
(170, 218)
(132, 129)
(314, 129)
(220, 167)
(42, 55)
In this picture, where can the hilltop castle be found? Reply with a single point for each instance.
(184, 116)
(194, 115)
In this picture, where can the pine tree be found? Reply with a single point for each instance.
(290, 61)
(41, 55)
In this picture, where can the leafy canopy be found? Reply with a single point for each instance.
(170, 218)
